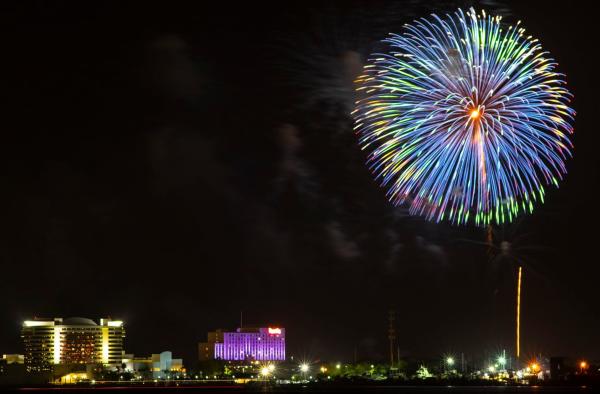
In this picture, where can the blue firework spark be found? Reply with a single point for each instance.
(464, 119)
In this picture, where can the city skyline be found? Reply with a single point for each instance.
(228, 345)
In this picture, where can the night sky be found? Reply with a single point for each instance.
(173, 165)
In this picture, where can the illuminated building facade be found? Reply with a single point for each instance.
(159, 365)
(261, 344)
(74, 340)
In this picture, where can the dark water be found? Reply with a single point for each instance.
(328, 389)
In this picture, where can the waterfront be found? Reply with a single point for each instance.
(332, 388)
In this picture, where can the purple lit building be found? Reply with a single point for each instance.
(261, 344)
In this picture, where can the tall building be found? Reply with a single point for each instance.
(261, 344)
(75, 340)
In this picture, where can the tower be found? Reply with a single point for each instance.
(391, 334)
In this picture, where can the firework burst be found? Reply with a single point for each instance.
(464, 119)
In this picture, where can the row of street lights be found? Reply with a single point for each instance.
(534, 367)
(268, 370)
(501, 364)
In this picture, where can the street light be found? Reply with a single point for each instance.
(450, 361)
(304, 368)
(265, 371)
(502, 361)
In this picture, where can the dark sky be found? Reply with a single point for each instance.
(173, 165)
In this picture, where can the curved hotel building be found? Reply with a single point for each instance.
(75, 340)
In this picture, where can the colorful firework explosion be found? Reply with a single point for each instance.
(464, 119)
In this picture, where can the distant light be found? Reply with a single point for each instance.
(583, 365)
(535, 367)
(491, 368)
(265, 371)
(57, 344)
(271, 367)
(502, 360)
(304, 367)
(323, 369)
(338, 366)
(33, 323)
(450, 361)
